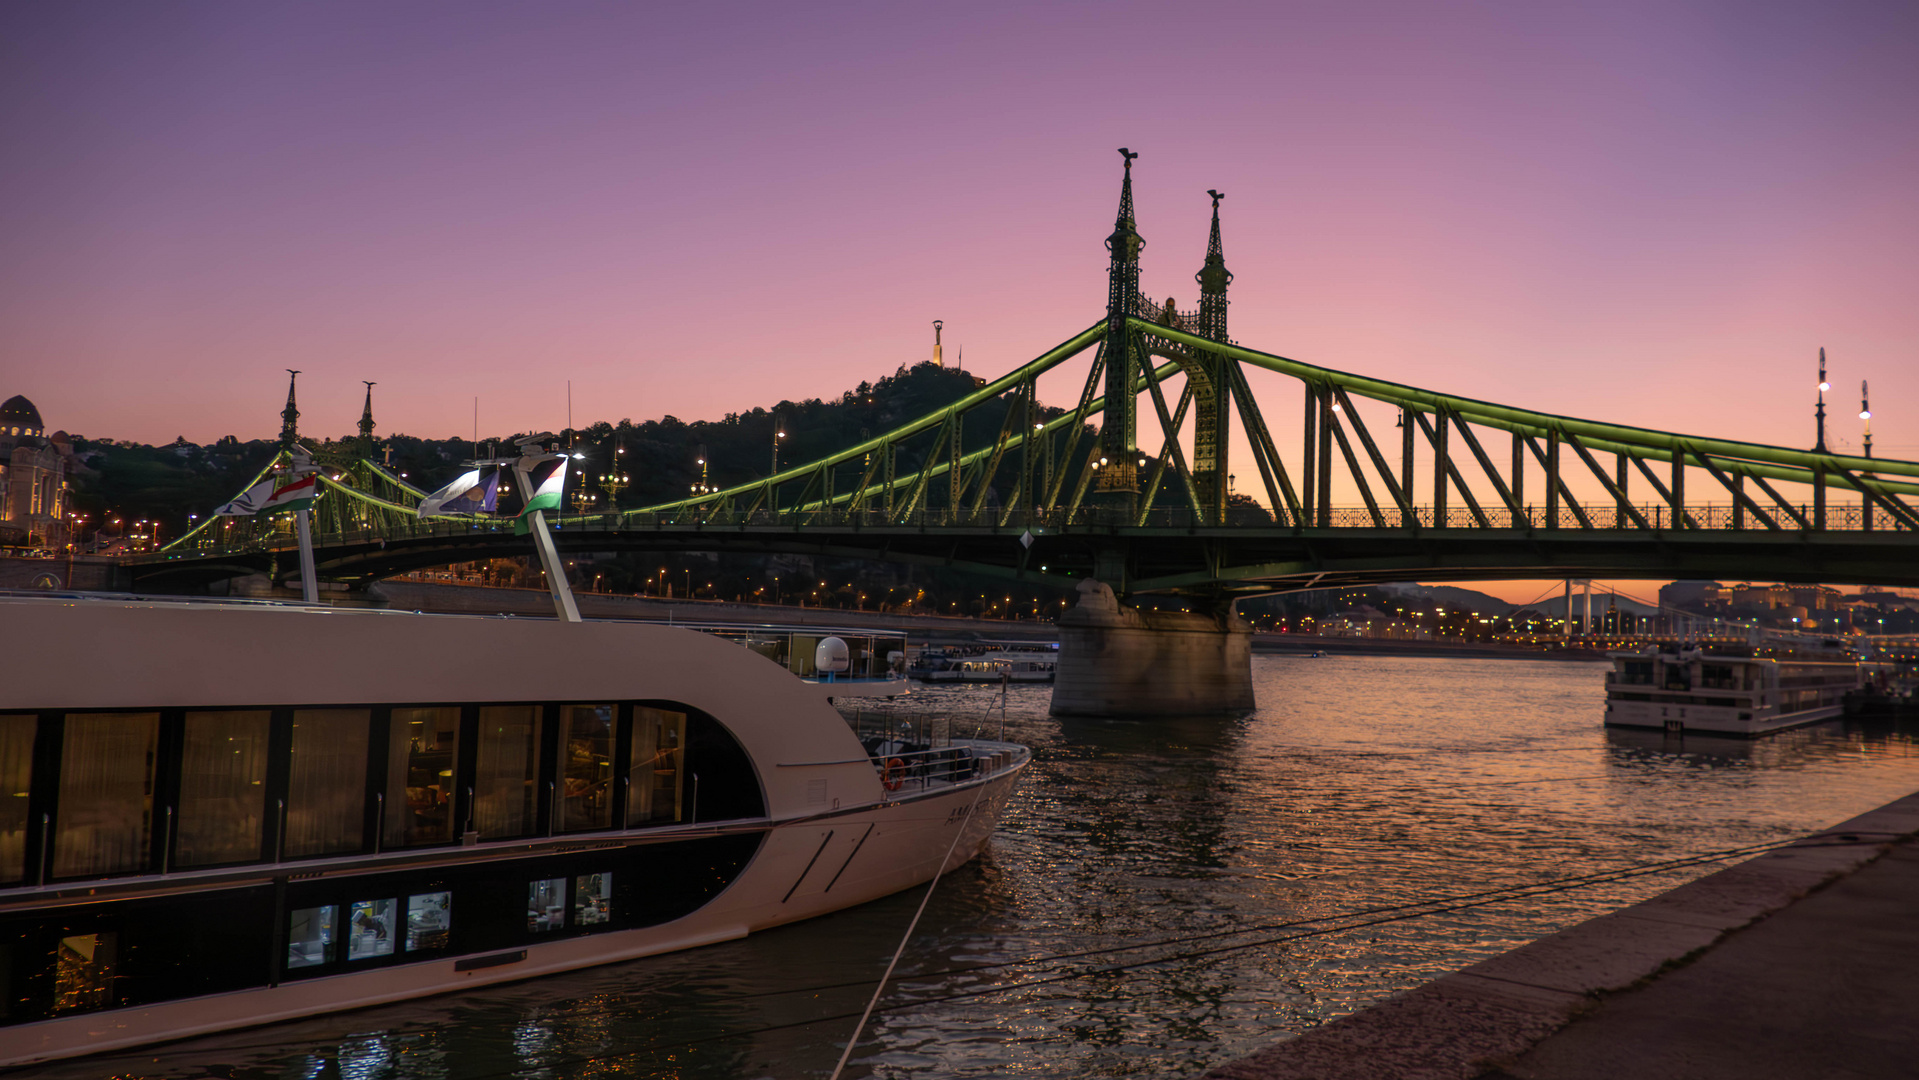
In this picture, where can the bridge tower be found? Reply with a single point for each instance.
(1118, 485)
(1120, 661)
(290, 416)
(1211, 419)
(366, 423)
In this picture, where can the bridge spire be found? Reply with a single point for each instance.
(1118, 471)
(1819, 413)
(1213, 279)
(366, 422)
(290, 416)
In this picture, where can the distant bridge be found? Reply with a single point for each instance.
(1057, 499)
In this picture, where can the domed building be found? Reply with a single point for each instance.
(33, 478)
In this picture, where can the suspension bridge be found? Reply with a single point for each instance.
(1448, 487)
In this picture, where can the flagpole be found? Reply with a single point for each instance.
(301, 465)
(563, 602)
(309, 583)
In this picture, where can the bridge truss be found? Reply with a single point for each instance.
(1066, 493)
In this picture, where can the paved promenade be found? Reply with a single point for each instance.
(1800, 963)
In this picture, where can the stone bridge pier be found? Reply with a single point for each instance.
(1122, 662)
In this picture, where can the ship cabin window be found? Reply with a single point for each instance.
(429, 921)
(105, 817)
(1718, 677)
(1636, 672)
(508, 772)
(592, 899)
(423, 749)
(586, 767)
(659, 744)
(310, 937)
(223, 769)
(326, 782)
(369, 929)
(16, 779)
(98, 794)
(545, 905)
(83, 970)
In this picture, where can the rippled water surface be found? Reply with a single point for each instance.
(1361, 784)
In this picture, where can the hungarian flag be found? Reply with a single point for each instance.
(545, 477)
(468, 495)
(294, 493)
(273, 496)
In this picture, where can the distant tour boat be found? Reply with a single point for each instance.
(1686, 690)
(1007, 665)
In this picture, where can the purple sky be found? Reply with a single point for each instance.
(1651, 215)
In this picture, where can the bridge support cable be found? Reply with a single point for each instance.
(1272, 471)
(1352, 466)
(1486, 466)
(1871, 489)
(1372, 452)
(1680, 520)
(1443, 468)
(1166, 452)
(1077, 426)
(1556, 489)
(1171, 431)
(1741, 502)
(991, 469)
(1791, 511)
(1617, 492)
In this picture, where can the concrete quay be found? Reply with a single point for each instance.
(1802, 962)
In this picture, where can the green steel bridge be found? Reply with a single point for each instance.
(1467, 490)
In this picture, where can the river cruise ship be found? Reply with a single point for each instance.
(1689, 690)
(221, 814)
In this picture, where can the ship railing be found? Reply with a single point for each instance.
(792, 647)
(903, 769)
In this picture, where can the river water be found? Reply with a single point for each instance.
(1361, 785)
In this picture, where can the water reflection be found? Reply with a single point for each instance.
(1361, 783)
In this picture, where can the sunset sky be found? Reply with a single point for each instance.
(1646, 214)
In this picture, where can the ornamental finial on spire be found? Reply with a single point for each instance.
(1125, 243)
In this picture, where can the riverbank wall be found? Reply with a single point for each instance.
(1802, 961)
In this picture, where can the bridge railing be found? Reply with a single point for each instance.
(1657, 516)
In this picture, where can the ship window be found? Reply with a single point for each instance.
(419, 794)
(369, 929)
(326, 782)
(429, 920)
(223, 773)
(83, 972)
(310, 939)
(592, 899)
(106, 794)
(16, 773)
(659, 750)
(545, 904)
(586, 740)
(509, 767)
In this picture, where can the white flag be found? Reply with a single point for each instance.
(468, 495)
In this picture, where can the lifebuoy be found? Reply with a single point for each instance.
(893, 775)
